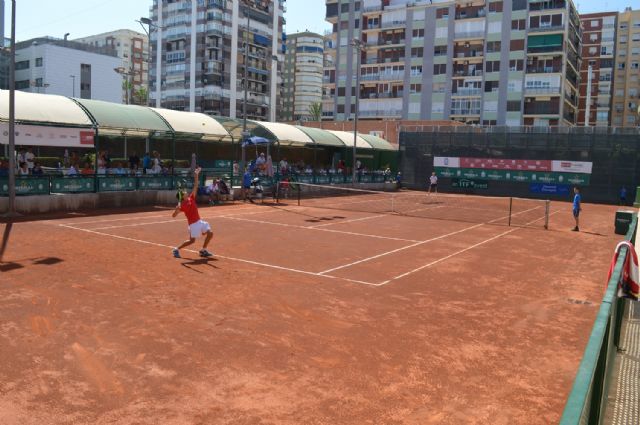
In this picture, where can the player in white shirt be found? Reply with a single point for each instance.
(433, 182)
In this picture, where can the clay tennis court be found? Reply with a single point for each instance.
(307, 314)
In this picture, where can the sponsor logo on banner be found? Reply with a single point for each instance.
(86, 138)
(448, 162)
(469, 184)
(36, 135)
(550, 189)
(506, 164)
(572, 167)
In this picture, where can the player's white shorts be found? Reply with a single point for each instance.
(199, 228)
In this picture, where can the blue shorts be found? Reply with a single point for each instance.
(576, 213)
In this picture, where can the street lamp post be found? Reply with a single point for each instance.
(12, 116)
(146, 21)
(125, 74)
(357, 44)
(73, 78)
(245, 87)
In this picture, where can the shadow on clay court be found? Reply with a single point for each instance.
(19, 264)
(200, 262)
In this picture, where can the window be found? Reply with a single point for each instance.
(440, 51)
(38, 62)
(516, 45)
(492, 66)
(513, 106)
(519, 5)
(418, 33)
(23, 84)
(593, 51)
(495, 7)
(415, 88)
(344, 8)
(516, 65)
(634, 65)
(491, 86)
(22, 65)
(439, 87)
(439, 69)
(38, 82)
(602, 116)
(493, 46)
(594, 24)
(417, 52)
(623, 39)
(518, 24)
(442, 13)
(416, 70)
(622, 65)
(341, 91)
(635, 37)
(604, 50)
(593, 37)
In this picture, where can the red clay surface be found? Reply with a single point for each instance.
(305, 316)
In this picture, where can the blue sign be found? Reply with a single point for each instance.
(551, 189)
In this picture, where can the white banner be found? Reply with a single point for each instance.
(38, 135)
(571, 167)
(446, 161)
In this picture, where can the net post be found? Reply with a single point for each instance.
(299, 194)
(276, 195)
(510, 209)
(547, 205)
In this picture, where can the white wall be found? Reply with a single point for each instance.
(59, 63)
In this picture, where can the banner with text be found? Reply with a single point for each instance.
(577, 167)
(514, 176)
(38, 135)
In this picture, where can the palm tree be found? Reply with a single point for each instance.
(141, 94)
(315, 111)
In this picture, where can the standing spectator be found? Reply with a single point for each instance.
(65, 160)
(29, 158)
(341, 166)
(433, 182)
(102, 164)
(107, 159)
(261, 162)
(623, 195)
(236, 168)
(37, 169)
(146, 162)
(156, 167)
(246, 185)
(399, 180)
(577, 200)
(134, 162)
(23, 170)
(284, 166)
(4, 168)
(20, 157)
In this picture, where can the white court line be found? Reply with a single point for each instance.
(348, 221)
(399, 249)
(459, 252)
(241, 260)
(423, 242)
(318, 229)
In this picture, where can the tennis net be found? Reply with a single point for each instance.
(510, 211)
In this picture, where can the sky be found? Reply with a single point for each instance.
(35, 18)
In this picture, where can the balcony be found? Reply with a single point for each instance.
(380, 113)
(470, 13)
(390, 76)
(394, 24)
(469, 34)
(547, 5)
(547, 28)
(385, 95)
(468, 54)
(467, 73)
(534, 91)
(534, 108)
(467, 91)
(544, 69)
(465, 111)
(369, 9)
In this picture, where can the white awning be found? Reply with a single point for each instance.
(286, 134)
(194, 123)
(347, 139)
(35, 108)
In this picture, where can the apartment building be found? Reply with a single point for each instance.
(490, 62)
(302, 76)
(198, 56)
(626, 83)
(68, 68)
(133, 49)
(598, 54)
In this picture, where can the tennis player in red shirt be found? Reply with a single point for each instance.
(197, 227)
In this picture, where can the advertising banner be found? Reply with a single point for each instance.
(72, 184)
(156, 183)
(443, 161)
(551, 189)
(515, 176)
(506, 164)
(116, 184)
(26, 186)
(572, 167)
(39, 135)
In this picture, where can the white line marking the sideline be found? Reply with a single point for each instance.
(348, 221)
(241, 260)
(417, 269)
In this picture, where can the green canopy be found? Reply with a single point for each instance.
(117, 119)
(321, 137)
(378, 143)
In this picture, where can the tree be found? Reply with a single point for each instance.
(142, 95)
(315, 110)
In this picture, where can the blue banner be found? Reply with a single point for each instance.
(551, 189)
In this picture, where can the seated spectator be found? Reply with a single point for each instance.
(37, 169)
(308, 170)
(87, 170)
(214, 192)
(23, 170)
(4, 168)
(73, 171)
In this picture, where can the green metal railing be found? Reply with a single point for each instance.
(588, 397)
